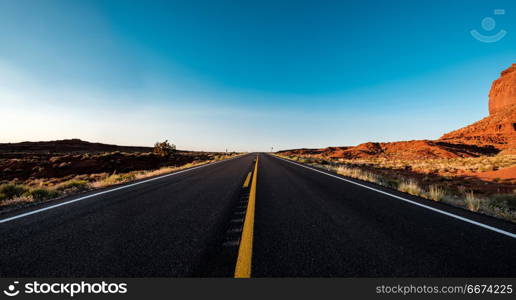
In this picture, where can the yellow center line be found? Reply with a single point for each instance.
(247, 180)
(245, 250)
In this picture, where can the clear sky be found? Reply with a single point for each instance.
(247, 75)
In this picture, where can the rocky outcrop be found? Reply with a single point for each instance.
(498, 130)
(503, 91)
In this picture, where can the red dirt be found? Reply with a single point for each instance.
(506, 174)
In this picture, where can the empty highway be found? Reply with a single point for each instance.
(252, 218)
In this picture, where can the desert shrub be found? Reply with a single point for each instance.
(472, 202)
(41, 194)
(435, 193)
(392, 183)
(410, 187)
(10, 190)
(164, 149)
(74, 184)
(504, 201)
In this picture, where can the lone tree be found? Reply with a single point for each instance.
(164, 148)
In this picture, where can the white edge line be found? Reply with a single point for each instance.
(108, 191)
(498, 230)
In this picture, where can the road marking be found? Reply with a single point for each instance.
(235, 230)
(230, 244)
(107, 191)
(498, 230)
(247, 180)
(245, 251)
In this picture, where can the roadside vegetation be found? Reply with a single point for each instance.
(17, 193)
(488, 197)
(442, 166)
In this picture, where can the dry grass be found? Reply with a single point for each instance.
(444, 166)
(16, 201)
(13, 194)
(74, 184)
(127, 177)
(354, 173)
(472, 202)
(410, 187)
(436, 193)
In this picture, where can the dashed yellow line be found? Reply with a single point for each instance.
(245, 250)
(247, 180)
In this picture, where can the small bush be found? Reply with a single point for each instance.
(504, 201)
(10, 190)
(41, 194)
(392, 183)
(164, 149)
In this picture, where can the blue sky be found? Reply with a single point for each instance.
(246, 75)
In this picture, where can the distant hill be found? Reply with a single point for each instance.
(67, 146)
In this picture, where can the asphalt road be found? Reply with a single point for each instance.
(306, 224)
(311, 224)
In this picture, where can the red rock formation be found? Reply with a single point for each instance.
(503, 91)
(498, 130)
